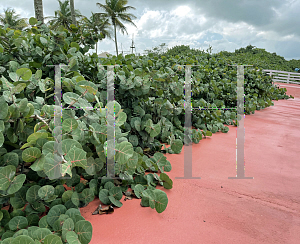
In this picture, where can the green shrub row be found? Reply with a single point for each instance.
(39, 159)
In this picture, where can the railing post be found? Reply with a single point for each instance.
(288, 79)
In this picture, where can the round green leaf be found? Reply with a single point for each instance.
(108, 185)
(49, 147)
(72, 238)
(168, 167)
(116, 192)
(74, 44)
(59, 190)
(32, 194)
(69, 124)
(38, 207)
(38, 165)
(57, 226)
(19, 199)
(70, 97)
(155, 130)
(31, 154)
(35, 136)
(161, 200)
(16, 184)
(43, 223)
(12, 135)
(20, 87)
(52, 239)
(33, 219)
(6, 175)
(68, 226)
(66, 196)
(24, 73)
(54, 213)
(176, 146)
(133, 139)
(150, 195)
(145, 202)
(103, 196)
(93, 166)
(32, 21)
(79, 187)
(38, 74)
(87, 195)
(84, 230)
(139, 111)
(77, 157)
(40, 234)
(160, 159)
(52, 166)
(115, 201)
(138, 189)
(124, 151)
(31, 110)
(21, 232)
(18, 222)
(75, 198)
(46, 191)
(89, 89)
(113, 107)
(7, 235)
(23, 240)
(72, 212)
(167, 182)
(67, 144)
(43, 40)
(121, 119)
(23, 104)
(11, 159)
(32, 229)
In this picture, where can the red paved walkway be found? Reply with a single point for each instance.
(265, 209)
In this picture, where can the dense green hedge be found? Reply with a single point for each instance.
(262, 59)
(149, 111)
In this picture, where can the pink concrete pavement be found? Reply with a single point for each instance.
(215, 209)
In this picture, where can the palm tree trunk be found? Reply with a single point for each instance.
(72, 8)
(38, 8)
(116, 38)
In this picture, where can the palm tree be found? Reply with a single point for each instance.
(63, 16)
(115, 10)
(72, 8)
(38, 8)
(98, 25)
(12, 19)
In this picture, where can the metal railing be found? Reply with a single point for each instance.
(283, 76)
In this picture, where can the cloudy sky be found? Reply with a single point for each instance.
(223, 24)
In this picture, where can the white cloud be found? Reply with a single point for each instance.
(181, 11)
(225, 25)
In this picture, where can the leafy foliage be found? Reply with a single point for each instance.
(262, 59)
(149, 110)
